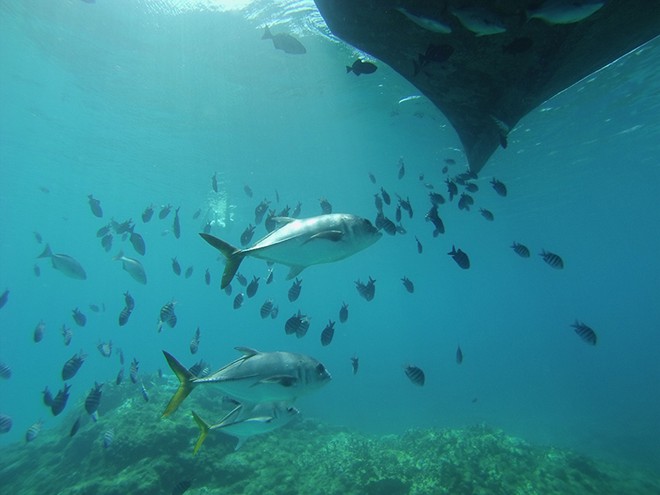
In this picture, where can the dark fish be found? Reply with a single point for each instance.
(95, 308)
(397, 215)
(108, 438)
(105, 348)
(407, 283)
(552, 259)
(415, 375)
(194, 342)
(296, 210)
(434, 53)
(465, 201)
(93, 399)
(402, 169)
(181, 487)
(37, 237)
(355, 363)
(368, 290)
(328, 333)
(241, 279)
(520, 249)
(388, 226)
(39, 330)
(135, 366)
(67, 335)
(500, 187)
(378, 201)
(284, 42)
(304, 326)
(405, 205)
(167, 314)
(386, 196)
(144, 393)
(471, 187)
(260, 211)
(252, 287)
(420, 248)
(95, 206)
(147, 213)
(121, 356)
(214, 182)
(343, 313)
(176, 224)
(5, 371)
(189, 272)
(460, 257)
(79, 317)
(274, 312)
(75, 427)
(326, 207)
(269, 277)
(124, 315)
(585, 332)
(122, 228)
(360, 67)
(228, 290)
(248, 191)
(266, 308)
(248, 233)
(103, 231)
(518, 46)
(106, 242)
(120, 376)
(47, 397)
(459, 355)
(433, 217)
(176, 267)
(487, 214)
(64, 263)
(372, 178)
(292, 324)
(5, 423)
(59, 401)
(138, 243)
(207, 277)
(72, 366)
(129, 301)
(238, 300)
(37, 270)
(197, 213)
(270, 222)
(452, 188)
(294, 290)
(164, 211)
(33, 431)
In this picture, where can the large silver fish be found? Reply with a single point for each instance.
(64, 263)
(133, 267)
(300, 243)
(255, 377)
(245, 421)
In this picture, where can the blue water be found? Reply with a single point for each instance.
(142, 102)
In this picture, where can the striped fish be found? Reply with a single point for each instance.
(585, 332)
(552, 259)
(33, 431)
(520, 249)
(294, 290)
(266, 308)
(328, 333)
(108, 438)
(343, 313)
(194, 343)
(5, 371)
(5, 423)
(134, 370)
(415, 375)
(93, 399)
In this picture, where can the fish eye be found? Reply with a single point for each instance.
(320, 369)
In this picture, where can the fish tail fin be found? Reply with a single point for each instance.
(348, 69)
(204, 429)
(47, 253)
(234, 257)
(118, 256)
(185, 383)
(267, 34)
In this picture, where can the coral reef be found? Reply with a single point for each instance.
(149, 455)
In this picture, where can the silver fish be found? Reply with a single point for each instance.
(302, 243)
(255, 377)
(133, 267)
(565, 11)
(64, 263)
(245, 421)
(480, 21)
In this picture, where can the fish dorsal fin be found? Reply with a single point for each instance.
(294, 271)
(283, 380)
(327, 235)
(247, 351)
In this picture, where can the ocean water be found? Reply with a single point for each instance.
(141, 102)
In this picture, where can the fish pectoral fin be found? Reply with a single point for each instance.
(294, 271)
(283, 220)
(247, 351)
(284, 380)
(327, 235)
